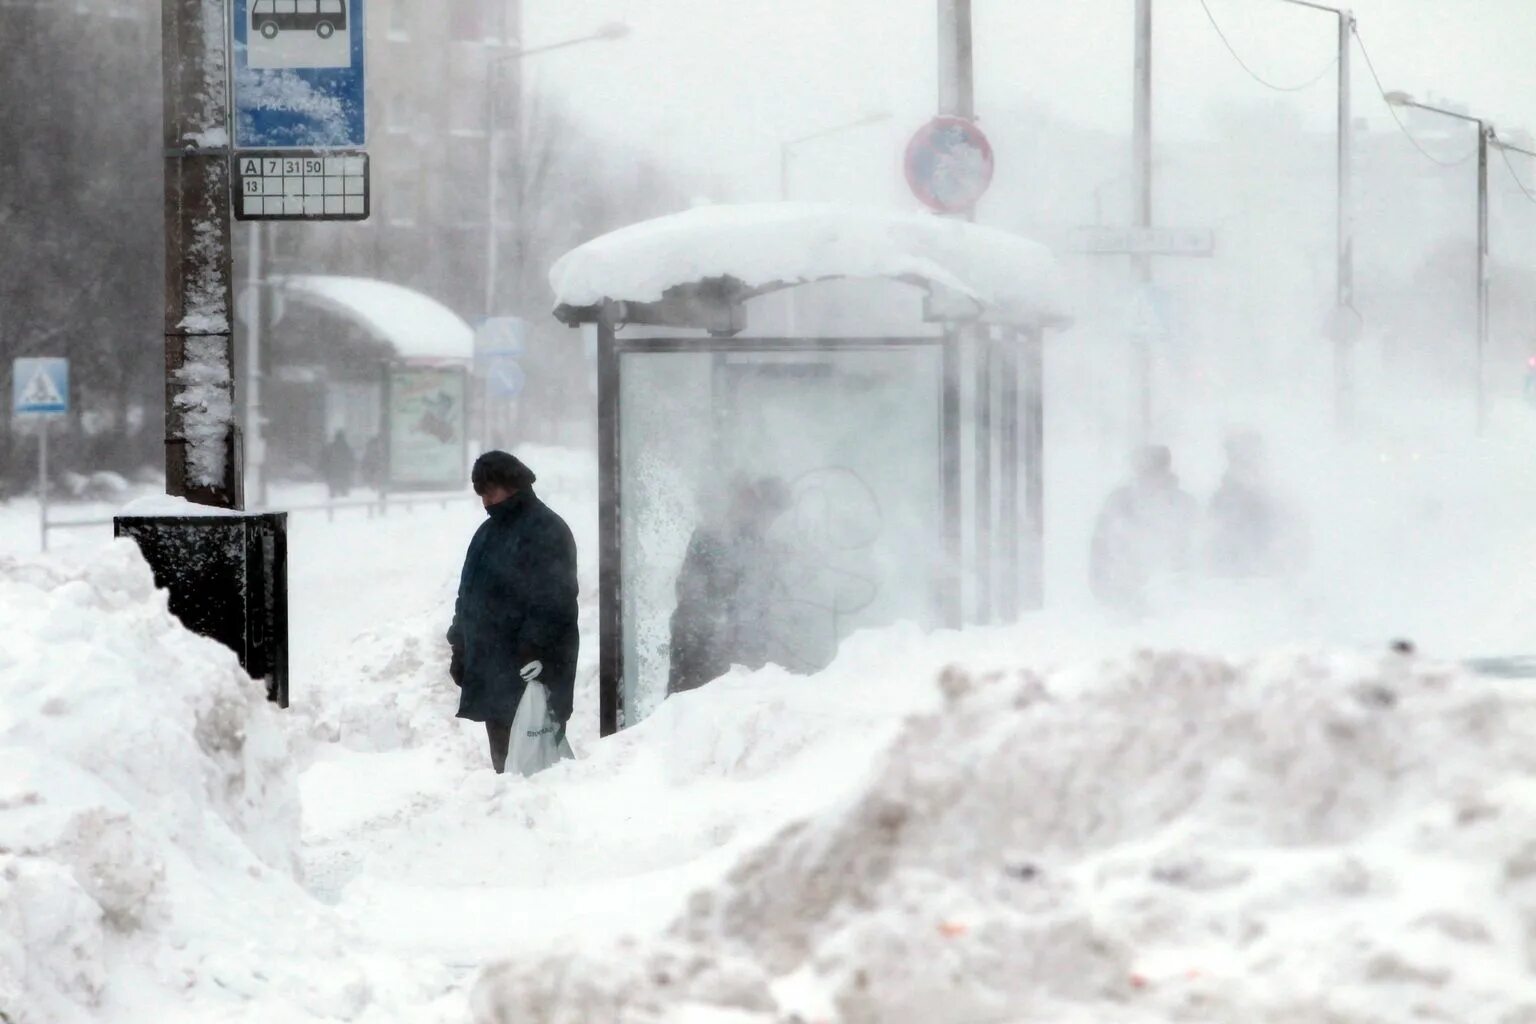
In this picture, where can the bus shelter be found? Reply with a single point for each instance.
(777, 490)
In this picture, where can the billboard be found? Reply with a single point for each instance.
(426, 413)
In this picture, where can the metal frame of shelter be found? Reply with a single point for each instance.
(1004, 364)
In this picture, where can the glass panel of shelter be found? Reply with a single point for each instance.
(776, 498)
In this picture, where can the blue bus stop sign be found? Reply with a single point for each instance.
(298, 74)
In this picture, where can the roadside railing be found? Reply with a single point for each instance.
(376, 506)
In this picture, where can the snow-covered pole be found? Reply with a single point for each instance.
(957, 98)
(201, 443)
(1141, 156)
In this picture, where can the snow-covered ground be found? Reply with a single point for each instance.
(1244, 810)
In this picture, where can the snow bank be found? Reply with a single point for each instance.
(1165, 838)
(768, 244)
(132, 750)
(149, 816)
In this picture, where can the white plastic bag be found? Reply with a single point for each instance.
(538, 740)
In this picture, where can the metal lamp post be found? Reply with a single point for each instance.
(1485, 135)
(787, 146)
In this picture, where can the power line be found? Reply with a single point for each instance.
(1309, 83)
(1529, 194)
(1392, 109)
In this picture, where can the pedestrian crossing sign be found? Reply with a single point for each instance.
(40, 387)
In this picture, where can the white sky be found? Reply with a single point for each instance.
(715, 84)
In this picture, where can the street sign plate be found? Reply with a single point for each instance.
(301, 185)
(949, 164)
(40, 387)
(1148, 316)
(298, 74)
(1135, 241)
(504, 375)
(501, 334)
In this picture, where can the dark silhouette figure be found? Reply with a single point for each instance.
(339, 465)
(1145, 529)
(726, 589)
(1251, 532)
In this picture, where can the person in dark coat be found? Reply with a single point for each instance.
(372, 466)
(339, 465)
(515, 622)
(1146, 529)
(726, 589)
(1251, 532)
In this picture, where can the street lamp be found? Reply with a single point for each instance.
(1346, 318)
(1485, 135)
(611, 32)
(787, 145)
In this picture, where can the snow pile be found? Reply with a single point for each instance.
(149, 816)
(763, 245)
(1166, 838)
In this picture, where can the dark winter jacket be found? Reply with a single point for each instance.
(724, 600)
(517, 603)
(1145, 529)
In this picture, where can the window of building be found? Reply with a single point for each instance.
(400, 13)
(466, 21)
(402, 194)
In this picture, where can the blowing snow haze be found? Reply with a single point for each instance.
(1089, 613)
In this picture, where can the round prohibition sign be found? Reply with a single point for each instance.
(949, 164)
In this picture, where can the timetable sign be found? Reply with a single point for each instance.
(301, 185)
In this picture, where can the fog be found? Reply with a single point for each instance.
(1413, 525)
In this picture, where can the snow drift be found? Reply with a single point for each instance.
(149, 816)
(1167, 837)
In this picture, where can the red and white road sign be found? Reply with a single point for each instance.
(949, 164)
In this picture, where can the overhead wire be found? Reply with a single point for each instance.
(1392, 109)
(1309, 83)
(1530, 194)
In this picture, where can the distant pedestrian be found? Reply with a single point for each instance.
(1145, 530)
(515, 622)
(339, 465)
(373, 463)
(1250, 531)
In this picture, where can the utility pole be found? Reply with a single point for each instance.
(1486, 138)
(256, 309)
(1141, 147)
(957, 98)
(1346, 326)
(202, 447)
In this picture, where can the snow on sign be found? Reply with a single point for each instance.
(949, 164)
(298, 74)
(301, 186)
(40, 387)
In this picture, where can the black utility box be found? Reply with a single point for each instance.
(228, 580)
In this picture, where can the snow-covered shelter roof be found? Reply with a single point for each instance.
(416, 325)
(736, 252)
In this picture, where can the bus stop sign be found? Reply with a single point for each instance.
(298, 74)
(949, 164)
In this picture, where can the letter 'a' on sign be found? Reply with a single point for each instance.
(302, 185)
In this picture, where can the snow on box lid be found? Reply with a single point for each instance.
(158, 506)
(766, 246)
